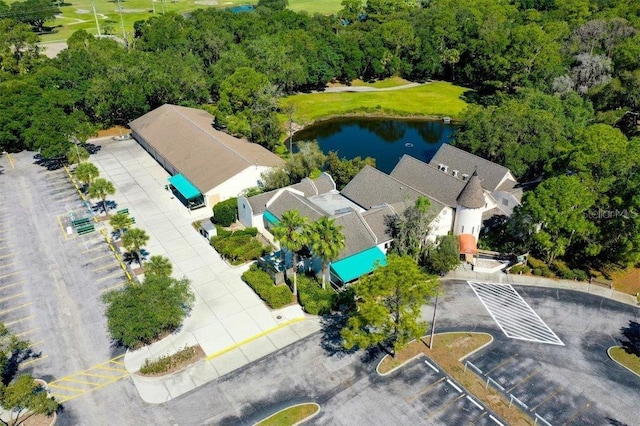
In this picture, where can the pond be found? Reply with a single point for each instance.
(384, 139)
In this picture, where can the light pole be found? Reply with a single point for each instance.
(95, 15)
(433, 323)
(124, 34)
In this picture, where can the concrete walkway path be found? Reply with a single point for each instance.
(228, 320)
(340, 89)
(466, 274)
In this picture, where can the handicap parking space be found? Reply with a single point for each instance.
(512, 314)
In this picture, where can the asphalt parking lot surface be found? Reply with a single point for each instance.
(50, 289)
(51, 282)
(573, 384)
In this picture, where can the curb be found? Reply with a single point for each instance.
(426, 356)
(618, 362)
(309, 417)
(543, 284)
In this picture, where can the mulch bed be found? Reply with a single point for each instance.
(198, 356)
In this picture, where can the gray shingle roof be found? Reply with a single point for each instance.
(308, 187)
(290, 201)
(378, 221)
(205, 156)
(436, 184)
(371, 187)
(465, 162)
(472, 196)
(357, 235)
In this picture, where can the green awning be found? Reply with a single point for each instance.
(184, 187)
(270, 217)
(356, 265)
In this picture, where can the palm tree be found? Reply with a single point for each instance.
(292, 235)
(86, 173)
(120, 222)
(159, 266)
(102, 188)
(327, 242)
(133, 241)
(77, 154)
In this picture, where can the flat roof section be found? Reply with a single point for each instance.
(354, 266)
(184, 187)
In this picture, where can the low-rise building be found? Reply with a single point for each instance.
(207, 165)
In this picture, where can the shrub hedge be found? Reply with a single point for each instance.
(239, 246)
(313, 298)
(520, 269)
(539, 267)
(225, 212)
(276, 296)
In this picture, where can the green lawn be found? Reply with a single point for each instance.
(77, 14)
(382, 84)
(631, 361)
(290, 416)
(438, 99)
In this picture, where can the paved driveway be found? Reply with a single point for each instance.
(572, 384)
(226, 312)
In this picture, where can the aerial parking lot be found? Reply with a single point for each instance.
(51, 281)
(550, 351)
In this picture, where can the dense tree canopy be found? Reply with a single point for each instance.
(140, 314)
(389, 302)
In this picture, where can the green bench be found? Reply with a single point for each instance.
(81, 222)
(85, 229)
(123, 211)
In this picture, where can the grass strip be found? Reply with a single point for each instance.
(629, 360)
(291, 415)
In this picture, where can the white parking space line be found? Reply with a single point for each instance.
(513, 315)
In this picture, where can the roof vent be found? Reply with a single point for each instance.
(454, 173)
(465, 176)
(445, 168)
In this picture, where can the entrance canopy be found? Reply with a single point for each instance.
(468, 244)
(184, 187)
(353, 267)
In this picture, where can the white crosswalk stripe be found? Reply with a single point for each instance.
(513, 315)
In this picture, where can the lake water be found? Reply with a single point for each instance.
(386, 140)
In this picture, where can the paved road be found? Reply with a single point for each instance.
(341, 89)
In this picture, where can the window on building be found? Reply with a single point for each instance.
(462, 230)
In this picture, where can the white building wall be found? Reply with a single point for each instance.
(245, 212)
(468, 221)
(247, 178)
(505, 201)
(442, 224)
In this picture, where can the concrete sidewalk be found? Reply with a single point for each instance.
(528, 280)
(228, 320)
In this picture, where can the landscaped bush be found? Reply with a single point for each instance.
(520, 269)
(539, 266)
(276, 296)
(225, 212)
(580, 275)
(239, 246)
(141, 314)
(313, 298)
(562, 270)
(167, 362)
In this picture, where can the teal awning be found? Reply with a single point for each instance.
(184, 187)
(356, 265)
(270, 217)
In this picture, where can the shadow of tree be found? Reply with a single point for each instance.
(632, 335)
(331, 340)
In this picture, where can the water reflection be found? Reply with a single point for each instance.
(386, 140)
